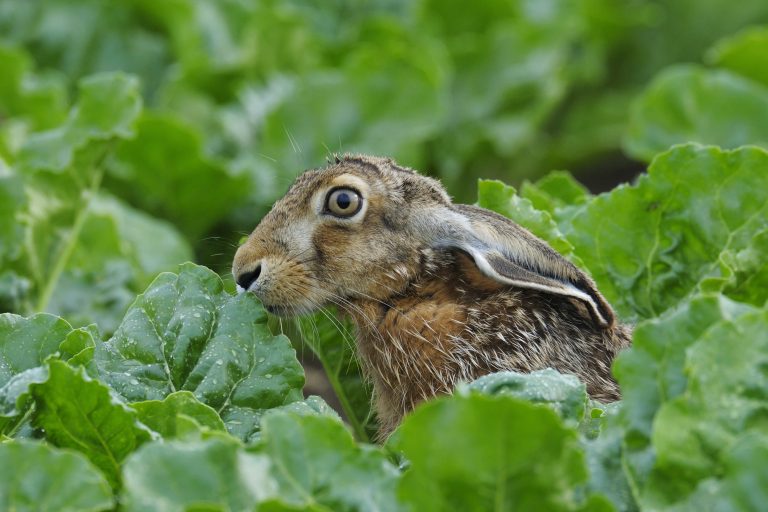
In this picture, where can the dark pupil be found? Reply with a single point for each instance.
(343, 200)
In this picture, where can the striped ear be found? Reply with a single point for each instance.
(511, 255)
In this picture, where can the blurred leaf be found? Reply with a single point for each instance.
(314, 460)
(81, 37)
(649, 245)
(186, 333)
(744, 54)
(80, 413)
(691, 104)
(119, 250)
(37, 477)
(215, 474)
(39, 100)
(166, 155)
(496, 453)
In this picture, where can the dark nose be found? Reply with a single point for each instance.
(246, 279)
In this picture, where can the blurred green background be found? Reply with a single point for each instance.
(239, 96)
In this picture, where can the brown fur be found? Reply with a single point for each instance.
(428, 313)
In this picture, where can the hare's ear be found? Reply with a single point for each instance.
(511, 255)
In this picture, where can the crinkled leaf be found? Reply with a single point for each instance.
(81, 413)
(565, 394)
(650, 244)
(185, 332)
(314, 459)
(558, 189)
(495, 453)
(38, 477)
(162, 416)
(744, 54)
(692, 104)
(215, 474)
(726, 399)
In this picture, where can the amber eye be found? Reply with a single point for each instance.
(343, 202)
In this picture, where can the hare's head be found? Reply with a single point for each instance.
(359, 228)
(342, 232)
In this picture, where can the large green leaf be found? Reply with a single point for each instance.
(652, 371)
(80, 413)
(38, 477)
(692, 104)
(725, 400)
(649, 245)
(215, 474)
(314, 459)
(185, 332)
(480, 452)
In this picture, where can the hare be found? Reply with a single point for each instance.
(439, 292)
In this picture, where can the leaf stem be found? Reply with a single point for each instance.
(357, 427)
(69, 248)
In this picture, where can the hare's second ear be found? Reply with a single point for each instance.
(510, 255)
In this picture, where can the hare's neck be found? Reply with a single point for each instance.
(410, 344)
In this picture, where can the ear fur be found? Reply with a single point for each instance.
(511, 255)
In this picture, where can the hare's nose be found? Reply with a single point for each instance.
(246, 279)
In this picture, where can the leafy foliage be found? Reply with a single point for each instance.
(128, 382)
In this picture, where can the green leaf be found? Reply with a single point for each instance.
(118, 252)
(564, 394)
(503, 199)
(314, 460)
(649, 245)
(167, 154)
(725, 400)
(495, 453)
(744, 54)
(37, 477)
(692, 104)
(39, 100)
(215, 474)
(186, 333)
(80, 413)
(162, 416)
(107, 108)
(558, 189)
(24, 344)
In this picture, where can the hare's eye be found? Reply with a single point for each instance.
(343, 202)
